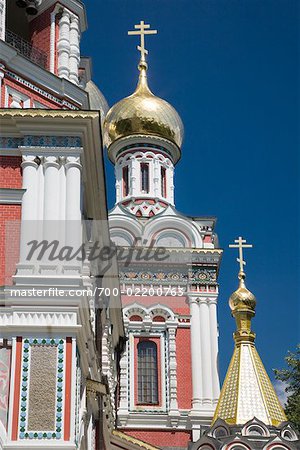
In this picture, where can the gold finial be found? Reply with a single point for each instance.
(142, 29)
(242, 302)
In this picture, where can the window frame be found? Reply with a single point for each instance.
(152, 398)
(125, 180)
(163, 181)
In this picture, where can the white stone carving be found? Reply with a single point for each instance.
(63, 45)
(67, 46)
(37, 318)
(168, 364)
(74, 58)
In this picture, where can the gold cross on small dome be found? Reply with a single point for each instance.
(142, 29)
(240, 243)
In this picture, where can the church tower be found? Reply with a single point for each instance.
(249, 414)
(168, 268)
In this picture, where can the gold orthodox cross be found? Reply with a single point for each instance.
(240, 243)
(142, 29)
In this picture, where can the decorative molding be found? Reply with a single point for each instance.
(163, 276)
(51, 113)
(37, 318)
(13, 146)
(166, 331)
(11, 196)
(52, 141)
(145, 207)
(24, 433)
(41, 91)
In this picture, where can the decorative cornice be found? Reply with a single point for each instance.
(11, 196)
(61, 114)
(35, 88)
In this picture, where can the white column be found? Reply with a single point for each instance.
(63, 45)
(73, 188)
(206, 351)
(214, 348)
(52, 37)
(173, 371)
(74, 49)
(51, 227)
(123, 405)
(118, 176)
(73, 206)
(51, 188)
(2, 19)
(29, 203)
(156, 177)
(196, 354)
(170, 184)
(134, 177)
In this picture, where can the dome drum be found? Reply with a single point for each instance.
(143, 142)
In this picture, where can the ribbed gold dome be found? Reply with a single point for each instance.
(143, 113)
(242, 298)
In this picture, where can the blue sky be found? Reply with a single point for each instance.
(231, 69)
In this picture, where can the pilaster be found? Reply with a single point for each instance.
(123, 410)
(214, 348)
(29, 202)
(196, 350)
(205, 351)
(63, 45)
(173, 408)
(74, 49)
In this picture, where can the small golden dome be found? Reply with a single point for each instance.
(143, 113)
(242, 298)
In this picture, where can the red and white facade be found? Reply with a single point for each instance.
(54, 390)
(168, 395)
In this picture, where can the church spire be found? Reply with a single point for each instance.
(242, 302)
(247, 390)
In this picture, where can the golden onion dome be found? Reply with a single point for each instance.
(242, 299)
(142, 113)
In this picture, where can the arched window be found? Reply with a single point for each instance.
(145, 177)
(125, 181)
(147, 373)
(163, 180)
